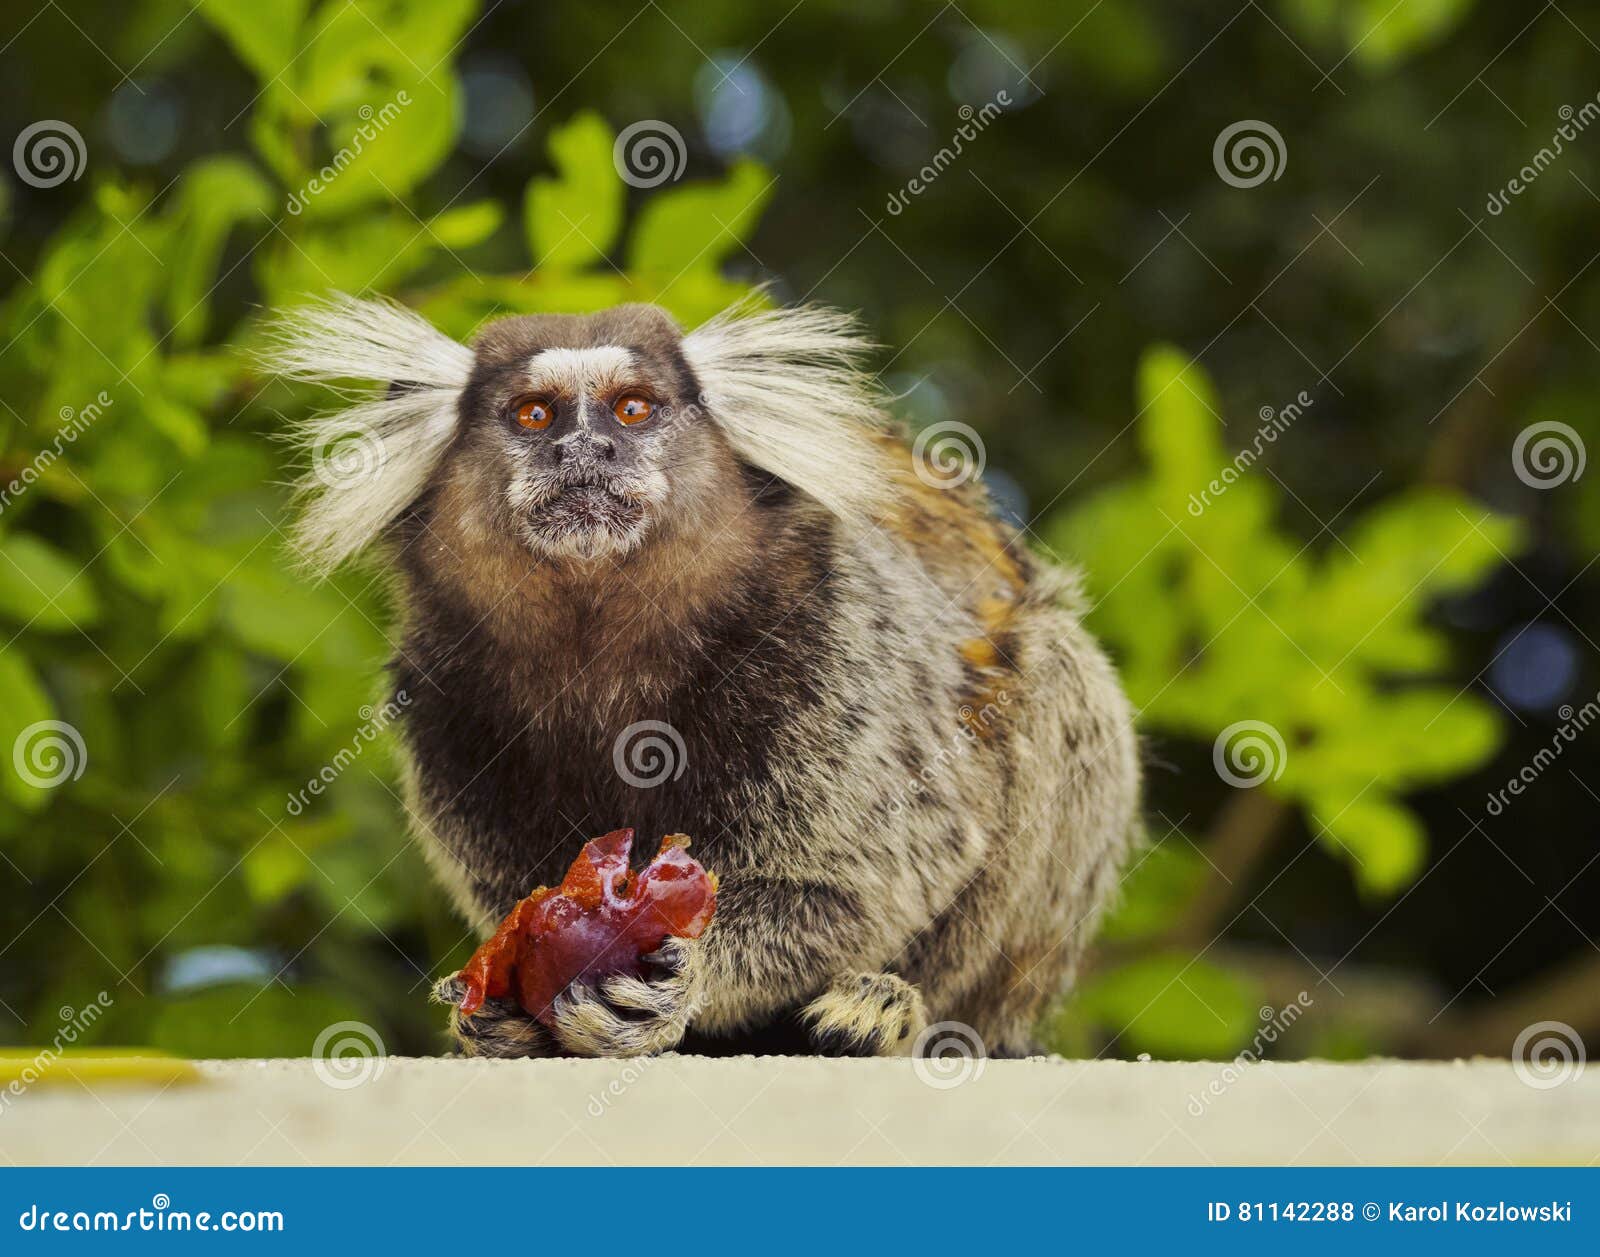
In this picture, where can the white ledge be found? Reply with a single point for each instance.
(682, 1110)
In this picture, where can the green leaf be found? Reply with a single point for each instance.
(466, 225)
(695, 226)
(369, 251)
(358, 53)
(1378, 33)
(1385, 841)
(269, 614)
(1383, 33)
(263, 35)
(215, 195)
(1429, 540)
(1180, 424)
(1401, 741)
(42, 588)
(573, 220)
(380, 149)
(23, 703)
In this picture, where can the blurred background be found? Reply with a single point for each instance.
(1280, 318)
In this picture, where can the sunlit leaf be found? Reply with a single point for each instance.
(1384, 842)
(573, 220)
(695, 225)
(263, 35)
(213, 196)
(23, 704)
(42, 588)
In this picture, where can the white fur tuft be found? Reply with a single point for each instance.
(369, 461)
(787, 387)
(354, 338)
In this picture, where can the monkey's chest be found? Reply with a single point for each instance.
(512, 803)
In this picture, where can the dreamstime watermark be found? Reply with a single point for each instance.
(634, 1068)
(1274, 423)
(74, 1021)
(948, 1054)
(973, 124)
(1249, 152)
(947, 455)
(160, 1217)
(1548, 1054)
(1274, 1022)
(374, 122)
(348, 1054)
(48, 153)
(1548, 454)
(648, 753)
(974, 725)
(48, 753)
(1573, 124)
(1573, 722)
(74, 423)
(600, 1102)
(373, 723)
(649, 153)
(350, 458)
(1249, 752)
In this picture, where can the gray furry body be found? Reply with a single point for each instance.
(911, 767)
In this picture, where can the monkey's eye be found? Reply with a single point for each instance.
(536, 414)
(630, 408)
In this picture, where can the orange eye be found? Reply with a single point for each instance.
(536, 415)
(631, 408)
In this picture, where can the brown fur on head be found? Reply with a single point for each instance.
(778, 391)
(619, 446)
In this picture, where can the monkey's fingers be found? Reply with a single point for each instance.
(866, 1014)
(500, 1028)
(448, 990)
(630, 1017)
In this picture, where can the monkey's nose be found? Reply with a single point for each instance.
(585, 447)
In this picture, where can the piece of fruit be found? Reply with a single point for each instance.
(601, 921)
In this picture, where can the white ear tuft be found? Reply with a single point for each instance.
(370, 460)
(787, 387)
(353, 338)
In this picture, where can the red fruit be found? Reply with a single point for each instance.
(601, 921)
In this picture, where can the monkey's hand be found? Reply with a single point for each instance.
(500, 1028)
(629, 1016)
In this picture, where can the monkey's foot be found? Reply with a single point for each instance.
(500, 1028)
(628, 1016)
(866, 1014)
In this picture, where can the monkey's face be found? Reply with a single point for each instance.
(584, 434)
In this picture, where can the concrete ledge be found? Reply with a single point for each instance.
(682, 1110)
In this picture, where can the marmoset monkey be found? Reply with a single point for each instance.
(695, 584)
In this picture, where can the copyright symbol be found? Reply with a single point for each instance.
(1370, 1211)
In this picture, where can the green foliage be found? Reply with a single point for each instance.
(573, 221)
(145, 591)
(1168, 1002)
(144, 594)
(1310, 675)
(1378, 33)
(1331, 652)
